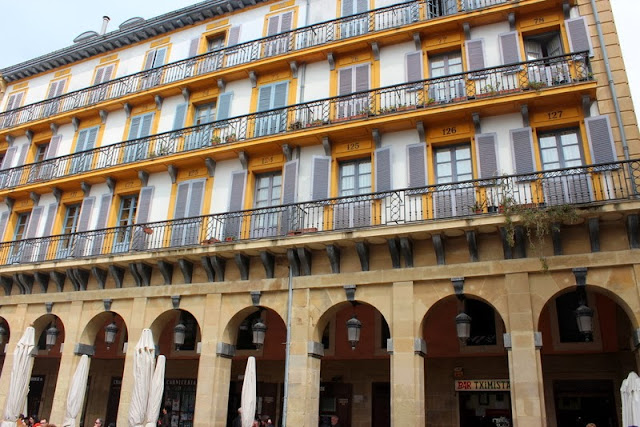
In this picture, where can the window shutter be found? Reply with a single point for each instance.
(82, 140)
(160, 57)
(280, 95)
(362, 6)
(145, 127)
(236, 199)
(290, 182)
(181, 113)
(413, 64)
(600, 139)
(108, 71)
(14, 101)
(48, 228)
(347, 7)
(32, 229)
(345, 86)
(194, 206)
(264, 98)
(286, 22)
(509, 47)
(382, 158)
(52, 150)
(144, 204)
(193, 47)
(23, 155)
(273, 24)
(362, 77)
(182, 197)
(85, 214)
(224, 106)
(7, 161)
(416, 159)
(52, 90)
(91, 138)
(148, 60)
(60, 87)
(103, 216)
(134, 129)
(487, 156)
(522, 146)
(578, 35)
(234, 35)
(320, 177)
(475, 54)
(4, 217)
(99, 75)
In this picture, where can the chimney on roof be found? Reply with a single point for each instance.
(105, 22)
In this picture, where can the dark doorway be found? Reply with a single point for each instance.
(335, 399)
(381, 405)
(579, 402)
(269, 405)
(34, 398)
(485, 409)
(114, 400)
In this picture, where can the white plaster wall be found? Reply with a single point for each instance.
(489, 33)
(321, 10)
(168, 113)
(114, 128)
(68, 135)
(45, 201)
(159, 210)
(393, 69)
(97, 191)
(398, 142)
(222, 186)
(305, 170)
(241, 100)
(316, 85)
(501, 125)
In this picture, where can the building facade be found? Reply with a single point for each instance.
(459, 176)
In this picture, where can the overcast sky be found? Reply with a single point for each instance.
(31, 28)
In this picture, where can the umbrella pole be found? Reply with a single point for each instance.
(287, 351)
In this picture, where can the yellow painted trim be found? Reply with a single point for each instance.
(215, 31)
(160, 42)
(280, 12)
(282, 5)
(206, 201)
(172, 201)
(267, 80)
(66, 85)
(61, 73)
(218, 24)
(20, 86)
(16, 92)
(105, 65)
(109, 58)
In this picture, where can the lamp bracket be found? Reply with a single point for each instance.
(350, 291)
(49, 307)
(255, 297)
(581, 276)
(107, 304)
(175, 301)
(458, 287)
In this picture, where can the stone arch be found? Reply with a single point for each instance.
(164, 318)
(41, 323)
(90, 331)
(5, 324)
(330, 313)
(230, 333)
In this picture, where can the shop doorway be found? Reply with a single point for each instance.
(381, 405)
(485, 409)
(579, 402)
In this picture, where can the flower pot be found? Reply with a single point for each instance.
(147, 230)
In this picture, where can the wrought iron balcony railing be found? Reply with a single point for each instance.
(577, 186)
(280, 44)
(430, 93)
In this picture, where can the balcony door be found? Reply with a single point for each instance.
(201, 137)
(562, 149)
(82, 158)
(446, 89)
(19, 233)
(138, 149)
(352, 80)
(355, 25)
(453, 165)
(355, 180)
(126, 219)
(547, 72)
(270, 118)
(185, 229)
(69, 226)
(268, 193)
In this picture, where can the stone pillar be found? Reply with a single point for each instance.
(18, 322)
(207, 373)
(304, 370)
(134, 329)
(220, 397)
(407, 367)
(525, 367)
(68, 361)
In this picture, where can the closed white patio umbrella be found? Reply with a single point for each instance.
(248, 397)
(143, 365)
(630, 397)
(77, 390)
(155, 396)
(20, 376)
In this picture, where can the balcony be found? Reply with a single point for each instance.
(320, 34)
(584, 186)
(420, 97)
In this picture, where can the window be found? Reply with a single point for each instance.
(215, 43)
(560, 149)
(268, 193)
(56, 88)
(69, 226)
(126, 218)
(452, 165)
(355, 179)
(204, 114)
(19, 233)
(103, 74)
(14, 101)
(140, 128)
(351, 80)
(271, 97)
(155, 58)
(201, 137)
(546, 72)
(356, 25)
(41, 151)
(446, 89)
(81, 161)
(483, 326)
(276, 25)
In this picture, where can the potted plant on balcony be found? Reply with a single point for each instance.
(215, 140)
(535, 85)
(316, 123)
(230, 238)
(147, 230)
(297, 125)
(231, 138)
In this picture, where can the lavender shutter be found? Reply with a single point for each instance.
(280, 95)
(15, 175)
(23, 155)
(578, 35)
(193, 47)
(443, 204)
(53, 87)
(286, 22)
(145, 126)
(522, 149)
(52, 150)
(108, 71)
(134, 129)
(362, 77)
(142, 216)
(600, 139)
(487, 156)
(320, 178)
(181, 113)
(160, 57)
(14, 101)
(83, 225)
(7, 161)
(101, 224)
(52, 209)
(362, 6)
(233, 221)
(273, 25)
(475, 54)
(32, 229)
(413, 64)
(290, 219)
(224, 106)
(4, 217)
(194, 210)
(148, 60)
(99, 74)
(382, 158)
(509, 47)
(347, 7)
(345, 87)
(234, 35)
(60, 88)
(416, 160)
(264, 98)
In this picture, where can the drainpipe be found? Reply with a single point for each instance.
(612, 88)
(287, 350)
